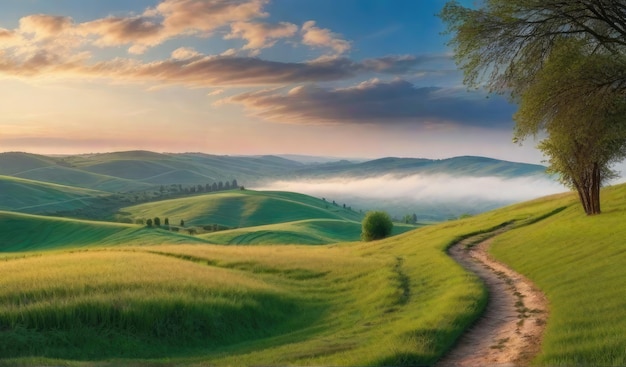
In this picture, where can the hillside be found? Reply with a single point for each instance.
(24, 232)
(40, 197)
(140, 176)
(398, 301)
(242, 208)
(256, 217)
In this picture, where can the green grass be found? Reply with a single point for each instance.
(398, 301)
(242, 208)
(24, 232)
(580, 263)
(304, 232)
(35, 196)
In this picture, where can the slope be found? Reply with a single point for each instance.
(305, 232)
(35, 196)
(399, 301)
(242, 208)
(25, 232)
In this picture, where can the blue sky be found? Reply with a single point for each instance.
(351, 78)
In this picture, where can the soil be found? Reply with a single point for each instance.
(510, 330)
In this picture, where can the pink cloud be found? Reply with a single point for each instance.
(321, 38)
(261, 35)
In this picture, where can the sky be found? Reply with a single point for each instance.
(345, 78)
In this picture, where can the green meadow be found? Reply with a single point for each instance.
(95, 293)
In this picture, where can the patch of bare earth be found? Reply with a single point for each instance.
(510, 330)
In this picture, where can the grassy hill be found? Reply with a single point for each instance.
(242, 208)
(36, 196)
(23, 232)
(112, 294)
(305, 232)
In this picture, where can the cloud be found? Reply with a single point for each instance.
(261, 35)
(184, 53)
(193, 16)
(43, 26)
(140, 32)
(424, 188)
(321, 38)
(376, 102)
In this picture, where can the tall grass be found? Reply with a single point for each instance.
(580, 263)
(398, 301)
(112, 304)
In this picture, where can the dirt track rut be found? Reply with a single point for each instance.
(510, 330)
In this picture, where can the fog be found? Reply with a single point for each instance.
(411, 193)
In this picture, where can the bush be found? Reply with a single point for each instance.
(376, 225)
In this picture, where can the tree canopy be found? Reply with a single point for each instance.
(564, 63)
(376, 225)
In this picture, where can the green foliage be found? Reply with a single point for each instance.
(565, 64)
(157, 221)
(376, 225)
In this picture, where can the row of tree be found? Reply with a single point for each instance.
(564, 64)
(215, 186)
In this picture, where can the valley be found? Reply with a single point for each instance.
(246, 277)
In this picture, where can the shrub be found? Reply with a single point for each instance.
(376, 225)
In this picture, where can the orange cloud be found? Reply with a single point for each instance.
(43, 26)
(261, 35)
(321, 38)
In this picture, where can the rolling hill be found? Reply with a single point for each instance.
(397, 301)
(242, 208)
(30, 196)
(25, 232)
(146, 176)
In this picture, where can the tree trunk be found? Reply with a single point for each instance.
(589, 191)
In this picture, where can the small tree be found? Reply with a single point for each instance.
(149, 222)
(167, 221)
(157, 221)
(182, 223)
(376, 225)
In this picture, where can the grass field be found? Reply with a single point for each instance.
(580, 263)
(398, 301)
(304, 232)
(24, 232)
(242, 208)
(28, 195)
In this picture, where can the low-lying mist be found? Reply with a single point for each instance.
(433, 197)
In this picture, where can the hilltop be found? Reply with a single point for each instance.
(141, 176)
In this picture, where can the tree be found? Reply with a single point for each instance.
(505, 42)
(376, 225)
(157, 221)
(167, 221)
(149, 222)
(586, 126)
(234, 184)
(182, 223)
(564, 63)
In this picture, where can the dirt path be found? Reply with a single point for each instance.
(510, 330)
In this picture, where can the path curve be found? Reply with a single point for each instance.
(510, 330)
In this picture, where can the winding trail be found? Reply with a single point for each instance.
(510, 330)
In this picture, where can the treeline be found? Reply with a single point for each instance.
(175, 189)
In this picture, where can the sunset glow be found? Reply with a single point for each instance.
(351, 78)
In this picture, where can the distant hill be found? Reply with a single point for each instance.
(31, 196)
(242, 209)
(25, 232)
(140, 170)
(143, 176)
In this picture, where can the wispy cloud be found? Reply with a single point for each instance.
(376, 102)
(261, 35)
(323, 38)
